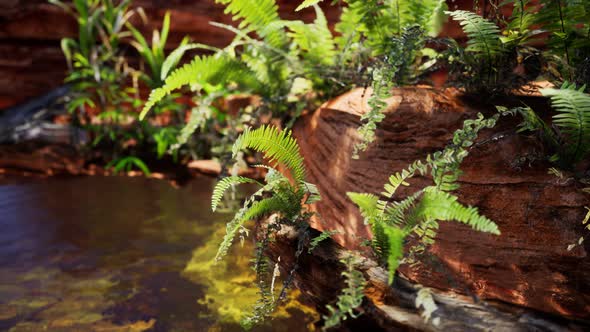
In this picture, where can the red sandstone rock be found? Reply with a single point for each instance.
(31, 62)
(538, 214)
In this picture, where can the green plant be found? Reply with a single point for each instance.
(160, 65)
(279, 62)
(586, 226)
(569, 37)
(397, 68)
(279, 196)
(318, 239)
(102, 96)
(569, 136)
(96, 65)
(307, 3)
(479, 66)
(395, 33)
(351, 296)
(127, 163)
(374, 22)
(418, 214)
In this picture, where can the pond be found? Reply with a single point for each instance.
(123, 254)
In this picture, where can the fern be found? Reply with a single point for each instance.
(318, 239)
(484, 35)
(257, 15)
(394, 249)
(277, 196)
(398, 68)
(214, 69)
(315, 40)
(567, 23)
(440, 205)
(257, 209)
(277, 146)
(222, 186)
(520, 23)
(307, 3)
(367, 204)
(351, 296)
(419, 213)
(573, 120)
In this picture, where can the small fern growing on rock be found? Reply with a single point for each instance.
(351, 296)
(418, 215)
(395, 33)
(569, 137)
(284, 198)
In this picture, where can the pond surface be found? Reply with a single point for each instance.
(123, 254)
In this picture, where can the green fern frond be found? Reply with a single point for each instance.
(397, 213)
(573, 119)
(257, 209)
(395, 249)
(399, 179)
(351, 296)
(322, 237)
(257, 15)
(214, 69)
(222, 186)
(426, 233)
(307, 3)
(277, 146)
(484, 35)
(439, 205)
(367, 204)
(522, 18)
(532, 122)
(315, 40)
(428, 14)
(348, 28)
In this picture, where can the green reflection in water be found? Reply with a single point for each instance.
(120, 254)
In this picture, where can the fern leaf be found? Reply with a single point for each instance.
(316, 240)
(440, 205)
(257, 15)
(257, 209)
(395, 249)
(307, 3)
(428, 14)
(367, 204)
(315, 40)
(222, 186)
(484, 35)
(351, 296)
(212, 69)
(277, 146)
(397, 213)
(573, 119)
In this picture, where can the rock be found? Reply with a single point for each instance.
(30, 31)
(211, 167)
(539, 214)
(40, 158)
(393, 308)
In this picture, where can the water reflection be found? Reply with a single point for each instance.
(122, 254)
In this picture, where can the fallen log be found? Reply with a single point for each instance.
(392, 308)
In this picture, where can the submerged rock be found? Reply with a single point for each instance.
(539, 214)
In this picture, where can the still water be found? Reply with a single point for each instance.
(123, 254)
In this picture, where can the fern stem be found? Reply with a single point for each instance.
(567, 56)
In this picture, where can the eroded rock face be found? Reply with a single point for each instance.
(393, 307)
(539, 214)
(31, 61)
